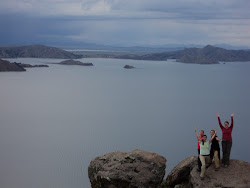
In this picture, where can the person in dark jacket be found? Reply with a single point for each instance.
(215, 149)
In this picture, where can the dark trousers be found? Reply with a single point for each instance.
(199, 161)
(226, 149)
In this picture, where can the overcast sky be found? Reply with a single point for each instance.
(125, 22)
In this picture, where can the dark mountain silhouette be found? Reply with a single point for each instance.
(36, 51)
(6, 66)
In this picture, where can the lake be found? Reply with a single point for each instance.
(54, 121)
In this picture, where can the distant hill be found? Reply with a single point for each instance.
(36, 51)
(207, 55)
(6, 66)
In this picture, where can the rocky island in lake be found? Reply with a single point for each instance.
(73, 62)
(24, 65)
(128, 67)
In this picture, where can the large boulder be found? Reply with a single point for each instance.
(133, 169)
(237, 174)
(180, 173)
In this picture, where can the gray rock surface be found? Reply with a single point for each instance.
(180, 173)
(185, 175)
(133, 169)
(237, 174)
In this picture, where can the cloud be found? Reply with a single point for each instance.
(96, 7)
(182, 9)
(125, 22)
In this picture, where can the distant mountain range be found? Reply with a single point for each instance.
(207, 55)
(36, 51)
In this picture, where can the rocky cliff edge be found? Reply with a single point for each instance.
(145, 169)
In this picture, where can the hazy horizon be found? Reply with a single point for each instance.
(110, 48)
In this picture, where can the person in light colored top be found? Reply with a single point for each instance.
(198, 147)
(205, 153)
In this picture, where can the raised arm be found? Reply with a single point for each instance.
(196, 134)
(232, 121)
(219, 120)
(213, 136)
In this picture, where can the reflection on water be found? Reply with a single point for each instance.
(54, 120)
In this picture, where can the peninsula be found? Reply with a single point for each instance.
(6, 66)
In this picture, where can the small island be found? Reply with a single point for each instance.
(73, 62)
(128, 67)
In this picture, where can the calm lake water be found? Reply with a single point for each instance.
(54, 121)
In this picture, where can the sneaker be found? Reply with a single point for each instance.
(216, 169)
(225, 166)
(202, 178)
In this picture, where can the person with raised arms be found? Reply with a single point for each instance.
(226, 139)
(199, 137)
(205, 153)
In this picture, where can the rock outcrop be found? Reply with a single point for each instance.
(73, 62)
(139, 169)
(133, 169)
(180, 173)
(128, 67)
(185, 175)
(6, 66)
(237, 174)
